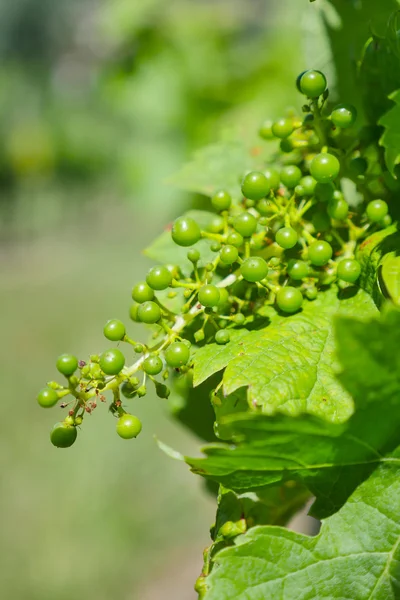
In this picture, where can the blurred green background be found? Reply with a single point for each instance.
(101, 101)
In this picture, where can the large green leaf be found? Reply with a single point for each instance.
(390, 139)
(355, 556)
(331, 459)
(288, 366)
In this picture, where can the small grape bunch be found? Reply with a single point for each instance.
(287, 234)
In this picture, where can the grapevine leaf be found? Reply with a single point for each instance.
(289, 366)
(389, 277)
(390, 139)
(331, 459)
(164, 249)
(218, 166)
(355, 555)
(371, 254)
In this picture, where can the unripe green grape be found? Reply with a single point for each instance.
(216, 224)
(221, 200)
(254, 269)
(128, 426)
(149, 312)
(245, 224)
(152, 365)
(299, 190)
(272, 177)
(338, 209)
(223, 297)
(308, 184)
(138, 348)
(297, 269)
(162, 390)
(324, 167)
(358, 165)
(159, 278)
(289, 299)
(286, 237)
(222, 337)
(67, 364)
(112, 361)
(349, 270)
(133, 312)
(185, 232)
(47, 397)
(199, 336)
(69, 420)
(193, 255)
(255, 186)
(324, 192)
(319, 253)
(141, 391)
(311, 293)
(142, 292)
(344, 115)
(290, 176)
(128, 390)
(235, 239)
(114, 330)
(265, 131)
(286, 146)
(377, 210)
(209, 295)
(229, 254)
(215, 247)
(78, 420)
(249, 203)
(282, 128)
(312, 83)
(265, 207)
(386, 221)
(63, 435)
(177, 355)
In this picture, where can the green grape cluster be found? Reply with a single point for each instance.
(292, 233)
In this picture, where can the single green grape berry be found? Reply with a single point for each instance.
(308, 184)
(78, 420)
(63, 435)
(255, 186)
(47, 397)
(312, 83)
(324, 192)
(149, 312)
(159, 278)
(235, 239)
(114, 330)
(265, 207)
(286, 146)
(286, 237)
(152, 365)
(69, 420)
(128, 390)
(324, 167)
(199, 336)
(321, 221)
(142, 292)
(229, 254)
(254, 269)
(193, 255)
(289, 299)
(209, 295)
(377, 210)
(223, 296)
(249, 203)
(221, 200)
(222, 336)
(311, 293)
(349, 270)
(265, 131)
(67, 364)
(290, 176)
(299, 190)
(282, 128)
(298, 79)
(216, 224)
(177, 355)
(245, 224)
(338, 209)
(358, 165)
(272, 177)
(344, 115)
(141, 391)
(128, 426)
(112, 361)
(386, 221)
(319, 253)
(133, 312)
(297, 269)
(239, 319)
(215, 247)
(185, 232)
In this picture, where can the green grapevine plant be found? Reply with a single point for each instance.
(264, 315)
